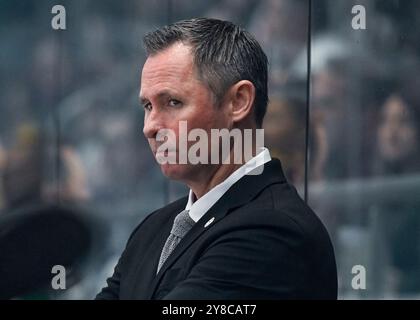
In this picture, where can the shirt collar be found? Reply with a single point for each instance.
(197, 208)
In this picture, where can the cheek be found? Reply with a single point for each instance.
(205, 119)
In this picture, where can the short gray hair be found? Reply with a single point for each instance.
(223, 55)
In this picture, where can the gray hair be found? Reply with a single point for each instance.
(223, 54)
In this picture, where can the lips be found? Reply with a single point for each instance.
(158, 149)
(164, 152)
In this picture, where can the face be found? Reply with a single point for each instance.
(170, 92)
(397, 133)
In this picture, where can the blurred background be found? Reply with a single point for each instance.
(77, 175)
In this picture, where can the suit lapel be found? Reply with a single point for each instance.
(239, 194)
(147, 267)
(217, 212)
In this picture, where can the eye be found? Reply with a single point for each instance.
(174, 103)
(147, 106)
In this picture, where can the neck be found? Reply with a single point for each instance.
(215, 174)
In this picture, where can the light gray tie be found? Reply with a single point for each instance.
(182, 224)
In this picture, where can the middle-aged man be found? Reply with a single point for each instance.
(243, 232)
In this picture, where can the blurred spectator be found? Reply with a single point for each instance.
(25, 180)
(285, 135)
(398, 153)
(285, 131)
(398, 143)
(22, 177)
(281, 28)
(72, 186)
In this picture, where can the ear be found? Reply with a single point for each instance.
(242, 96)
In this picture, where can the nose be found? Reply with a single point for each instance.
(152, 124)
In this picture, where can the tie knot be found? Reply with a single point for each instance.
(182, 224)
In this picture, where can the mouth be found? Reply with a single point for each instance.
(164, 154)
(158, 149)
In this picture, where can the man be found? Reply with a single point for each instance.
(243, 232)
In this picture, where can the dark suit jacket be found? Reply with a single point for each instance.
(264, 243)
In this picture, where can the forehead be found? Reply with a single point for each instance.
(171, 67)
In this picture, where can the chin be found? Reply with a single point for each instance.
(173, 171)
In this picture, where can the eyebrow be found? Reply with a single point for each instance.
(162, 94)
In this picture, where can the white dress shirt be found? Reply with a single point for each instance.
(198, 208)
